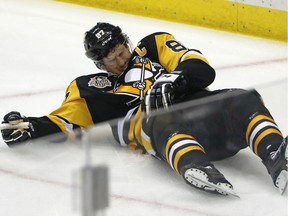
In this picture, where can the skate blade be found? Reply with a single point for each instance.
(282, 181)
(283, 176)
(215, 187)
(286, 154)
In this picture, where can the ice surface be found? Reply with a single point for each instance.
(41, 52)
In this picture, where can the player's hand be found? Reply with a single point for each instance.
(18, 134)
(162, 92)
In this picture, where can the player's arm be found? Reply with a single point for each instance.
(174, 56)
(16, 128)
(195, 74)
(188, 69)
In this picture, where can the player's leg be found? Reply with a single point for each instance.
(187, 156)
(276, 164)
(261, 133)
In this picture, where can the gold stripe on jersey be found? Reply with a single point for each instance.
(123, 128)
(130, 90)
(179, 145)
(173, 139)
(61, 124)
(136, 133)
(135, 130)
(133, 146)
(74, 109)
(258, 128)
(146, 141)
(180, 153)
(136, 125)
(254, 121)
(191, 54)
(262, 135)
(170, 52)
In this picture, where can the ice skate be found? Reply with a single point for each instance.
(206, 177)
(276, 165)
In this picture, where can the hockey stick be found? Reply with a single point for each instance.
(22, 125)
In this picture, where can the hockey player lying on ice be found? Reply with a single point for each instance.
(173, 74)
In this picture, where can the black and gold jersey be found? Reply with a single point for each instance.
(96, 98)
(163, 48)
(88, 100)
(164, 54)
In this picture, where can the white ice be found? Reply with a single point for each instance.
(41, 52)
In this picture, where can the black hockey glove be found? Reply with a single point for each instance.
(162, 92)
(15, 129)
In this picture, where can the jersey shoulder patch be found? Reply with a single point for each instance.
(97, 81)
(100, 82)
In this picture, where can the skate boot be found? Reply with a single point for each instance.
(206, 177)
(276, 164)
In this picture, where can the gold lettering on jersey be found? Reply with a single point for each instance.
(141, 52)
(99, 82)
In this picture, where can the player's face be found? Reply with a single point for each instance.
(117, 59)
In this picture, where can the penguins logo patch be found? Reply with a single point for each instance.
(99, 82)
